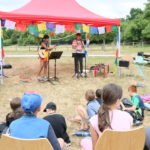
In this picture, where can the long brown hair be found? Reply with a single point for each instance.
(110, 94)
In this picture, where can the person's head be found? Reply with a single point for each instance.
(45, 38)
(98, 93)
(31, 102)
(78, 36)
(132, 90)
(50, 108)
(16, 114)
(17, 111)
(90, 95)
(111, 97)
(15, 103)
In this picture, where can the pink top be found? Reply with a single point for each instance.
(121, 121)
(79, 45)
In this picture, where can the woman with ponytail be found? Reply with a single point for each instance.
(109, 117)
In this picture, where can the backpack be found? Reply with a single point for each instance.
(141, 104)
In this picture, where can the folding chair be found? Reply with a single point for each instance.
(122, 140)
(10, 143)
(140, 63)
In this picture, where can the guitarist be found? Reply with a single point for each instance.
(44, 61)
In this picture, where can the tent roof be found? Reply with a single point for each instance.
(57, 11)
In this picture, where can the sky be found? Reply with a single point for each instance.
(107, 8)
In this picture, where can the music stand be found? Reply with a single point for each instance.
(55, 55)
(48, 77)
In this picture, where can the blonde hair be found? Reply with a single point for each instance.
(90, 95)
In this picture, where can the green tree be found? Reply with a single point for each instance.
(136, 25)
(147, 10)
(134, 12)
(146, 32)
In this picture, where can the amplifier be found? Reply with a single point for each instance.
(123, 63)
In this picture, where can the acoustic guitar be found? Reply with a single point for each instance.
(44, 53)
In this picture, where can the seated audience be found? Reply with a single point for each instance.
(17, 112)
(136, 101)
(109, 117)
(33, 127)
(57, 121)
(91, 109)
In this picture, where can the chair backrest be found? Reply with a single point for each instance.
(122, 140)
(10, 143)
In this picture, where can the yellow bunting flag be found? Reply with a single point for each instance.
(86, 28)
(42, 27)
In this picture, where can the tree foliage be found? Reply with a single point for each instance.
(136, 26)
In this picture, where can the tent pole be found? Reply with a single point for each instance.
(1, 59)
(119, 48)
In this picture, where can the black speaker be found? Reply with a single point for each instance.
(123, 63)
(140, 53)
(8, 66)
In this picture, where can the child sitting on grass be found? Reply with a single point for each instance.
(57, 121)
(92, 108)
(136, 102)
(17, 112)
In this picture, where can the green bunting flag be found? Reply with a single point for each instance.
(33, 29)
(115, 28)
(78, 26)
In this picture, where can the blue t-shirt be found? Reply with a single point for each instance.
(92, 108)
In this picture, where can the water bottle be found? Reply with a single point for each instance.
(82, 133)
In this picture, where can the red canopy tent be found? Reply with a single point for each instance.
(55, 11)
(59, 11)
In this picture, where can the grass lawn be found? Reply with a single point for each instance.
(69, 92)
